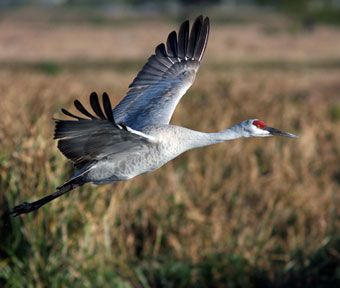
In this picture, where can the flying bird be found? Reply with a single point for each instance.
(135, 137)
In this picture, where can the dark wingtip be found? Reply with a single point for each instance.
(108, 107)
(183, 36)
(202, 40)
(194, 36)
(199, 18)
(171, 44)
(185, 24)
(160, 50)
(70, 114)
(94, 101)
(82, 109)
(185, 45)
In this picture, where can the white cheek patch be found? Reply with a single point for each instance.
(260, 132)
(265, 132)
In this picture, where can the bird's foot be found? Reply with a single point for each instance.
(24, 208)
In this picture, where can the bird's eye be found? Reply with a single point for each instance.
(259, 124)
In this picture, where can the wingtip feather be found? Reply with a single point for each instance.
(183, 36)
(94, 101)
(82, 109)
(171, 44)
(107, 107)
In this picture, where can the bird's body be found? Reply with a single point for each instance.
(147, 158)
(169, 142)
(135, 137)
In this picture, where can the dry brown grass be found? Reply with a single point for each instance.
(262, 200)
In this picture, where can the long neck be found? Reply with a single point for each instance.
(197, 139)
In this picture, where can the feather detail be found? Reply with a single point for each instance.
(164, 79)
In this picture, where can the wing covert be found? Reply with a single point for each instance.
(86, 140)
(165, 78)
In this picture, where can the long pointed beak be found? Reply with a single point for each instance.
(274, 131)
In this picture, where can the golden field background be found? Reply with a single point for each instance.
(246, 213)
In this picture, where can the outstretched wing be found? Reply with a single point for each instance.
(86, 140)
(165, 78)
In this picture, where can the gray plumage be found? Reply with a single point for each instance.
(135, 137)
(165, 78)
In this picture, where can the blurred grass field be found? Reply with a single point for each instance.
(246, 213)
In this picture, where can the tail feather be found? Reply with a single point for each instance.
(26, 207)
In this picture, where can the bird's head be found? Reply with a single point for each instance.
(257, 128)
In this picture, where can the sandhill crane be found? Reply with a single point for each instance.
(135, 137)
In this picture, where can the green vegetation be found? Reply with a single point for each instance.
(50, 68)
